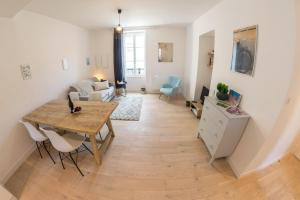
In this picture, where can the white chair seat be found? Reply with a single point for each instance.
(104, 132)
(66, 143)
(74, 140)
(38, 137)
(33, 132)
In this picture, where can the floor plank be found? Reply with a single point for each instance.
(156, 158)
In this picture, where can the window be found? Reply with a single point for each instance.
(134, 53)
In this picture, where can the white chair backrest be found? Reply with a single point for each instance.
(74, 96)
(35, 134)
(58, 142)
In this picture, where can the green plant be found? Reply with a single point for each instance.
(223, 88)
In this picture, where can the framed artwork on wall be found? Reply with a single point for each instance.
(26, 72)
(244, 50)
(165, 52)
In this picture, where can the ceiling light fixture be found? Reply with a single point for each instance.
(119, 27)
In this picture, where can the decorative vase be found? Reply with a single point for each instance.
(222, 96)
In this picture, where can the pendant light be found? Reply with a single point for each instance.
(119, 27)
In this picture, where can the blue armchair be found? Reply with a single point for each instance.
(169, 89)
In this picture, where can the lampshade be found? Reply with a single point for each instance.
(119, 28)
(99, 76)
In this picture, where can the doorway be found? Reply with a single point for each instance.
(205, 62)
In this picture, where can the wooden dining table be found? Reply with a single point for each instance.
(89, 121)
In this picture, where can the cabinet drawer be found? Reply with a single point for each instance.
(203, 124)
(208, 125)
(217, 135)
(209, 134)
(209, 142)
(216, 115)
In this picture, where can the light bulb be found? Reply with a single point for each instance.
(119, 28)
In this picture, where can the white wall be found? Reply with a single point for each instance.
(295, 148)
(156, 73)
(287, 125)
(102, 50)
(187, 85)
(204, 72)
(265, 94)
(41, 42)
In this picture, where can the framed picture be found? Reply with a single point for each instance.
(87, 61)
(244, 50)
(26, 72)
(234, 98)
(165, 52)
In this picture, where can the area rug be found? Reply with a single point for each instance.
(129, 108)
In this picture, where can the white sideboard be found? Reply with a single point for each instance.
(220, 130)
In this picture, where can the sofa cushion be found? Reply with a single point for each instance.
(101, 85)
(84, 87)
(102, 95)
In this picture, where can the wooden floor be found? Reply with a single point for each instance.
(156, 158)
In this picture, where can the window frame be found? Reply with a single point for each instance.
(135, 69)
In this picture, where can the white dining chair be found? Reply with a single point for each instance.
(74, 96)
(38, 137)
(67, 143)
(102, 133)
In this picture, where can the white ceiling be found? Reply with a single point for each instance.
(95, 14)
(8, 8)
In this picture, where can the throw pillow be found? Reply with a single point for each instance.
(101, 85)
(84, 87)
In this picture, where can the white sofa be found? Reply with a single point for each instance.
(85, 91)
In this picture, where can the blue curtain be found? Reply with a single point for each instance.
(118, 59)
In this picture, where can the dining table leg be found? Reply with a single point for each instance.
(110, 128)
(97, 153)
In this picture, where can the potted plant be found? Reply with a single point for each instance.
(222, 93)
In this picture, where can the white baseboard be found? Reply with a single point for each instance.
(139, 92)
(297, 155)
(152, 92)
(17, 164)
(235, 171)
(134, 91)
(259, 168)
